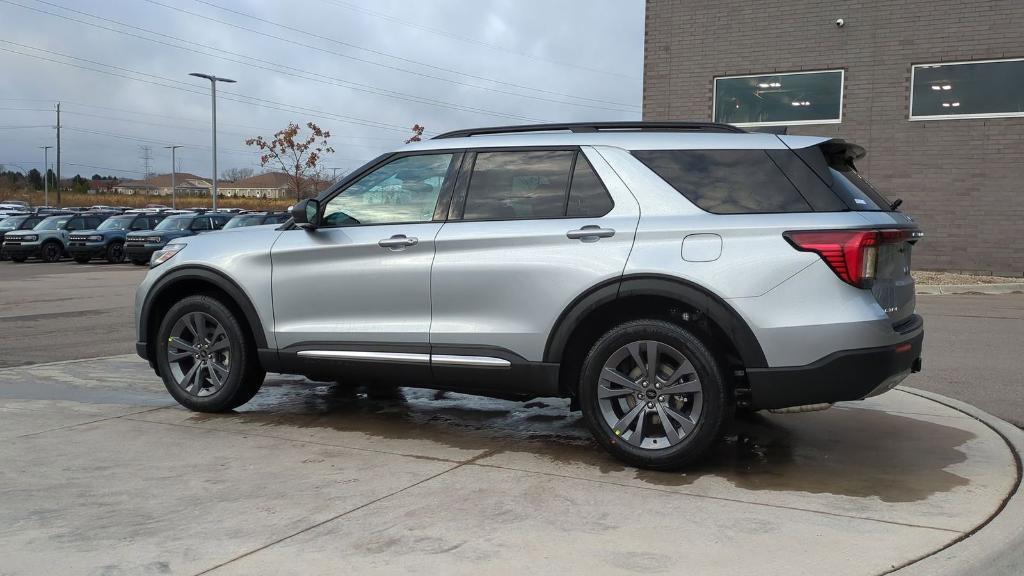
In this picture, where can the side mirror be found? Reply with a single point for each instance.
(305, 213)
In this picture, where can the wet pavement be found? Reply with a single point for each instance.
(103, 474)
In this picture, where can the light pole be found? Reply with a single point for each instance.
(174, 201)
(213, 97)
(46, 175)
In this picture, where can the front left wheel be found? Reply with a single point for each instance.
(205, 356)
(652, 394)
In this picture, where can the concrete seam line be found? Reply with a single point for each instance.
(993, 424)
(720, 498)
(59, 362)
(69, 426)
(285, 439)
(341, 515)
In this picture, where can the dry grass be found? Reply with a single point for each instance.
(139, 200)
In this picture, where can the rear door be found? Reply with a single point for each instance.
(530, 230)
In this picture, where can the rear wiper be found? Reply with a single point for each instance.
(895, 204)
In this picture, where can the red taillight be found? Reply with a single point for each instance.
(851, 254)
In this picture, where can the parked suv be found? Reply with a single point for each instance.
(108, 239)
(659, 275)
(141, 245)
(49, 239)
(16, 222)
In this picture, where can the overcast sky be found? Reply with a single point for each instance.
(365, 70)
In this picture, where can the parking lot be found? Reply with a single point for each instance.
(104, 474)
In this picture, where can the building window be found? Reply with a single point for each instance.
(780, 99)
(982, 89)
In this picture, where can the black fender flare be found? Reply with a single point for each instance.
(697, 297)
(211, 276)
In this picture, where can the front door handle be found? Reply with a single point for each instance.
(590, 233)
(398, 242)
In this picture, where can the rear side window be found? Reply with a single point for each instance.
(844, 180)
(518, 185)
(220, 221)
(201, 224)
(726, 181)
(588, 197)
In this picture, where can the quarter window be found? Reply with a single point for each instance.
(201, 224)
(984, 89)
(403, 190)
(588, 197)
(726, 181)
(518, 185)
(780, 99)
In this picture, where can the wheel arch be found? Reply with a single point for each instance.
(647, 295)
(190, 280)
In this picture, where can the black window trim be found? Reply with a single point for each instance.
(443, 197)
(458, 208)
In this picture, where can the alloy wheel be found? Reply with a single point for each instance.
(51, 252)
(650, 394)
(199, 354)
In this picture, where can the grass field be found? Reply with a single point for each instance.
(139, 200)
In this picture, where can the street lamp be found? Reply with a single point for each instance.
(174, 202)
(213, 97)
(46, 175)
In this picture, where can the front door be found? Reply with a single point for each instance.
(357, 288)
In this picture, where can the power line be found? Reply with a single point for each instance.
(469, 40)
(403, 59)
(371, 62)
(178, 85)
(272, 66)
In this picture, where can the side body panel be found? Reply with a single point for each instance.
(504, 283)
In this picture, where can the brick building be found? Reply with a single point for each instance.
(934, 89)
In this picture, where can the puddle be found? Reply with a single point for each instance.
(857, 453)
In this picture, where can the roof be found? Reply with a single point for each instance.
(265, 180)
(625, 139)
(163, 180)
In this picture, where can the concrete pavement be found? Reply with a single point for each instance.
(103, 475)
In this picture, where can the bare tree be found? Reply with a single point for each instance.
(417, 134)
(298, 157)
(236, 174)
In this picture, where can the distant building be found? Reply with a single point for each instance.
(272, 185)
(186, 185)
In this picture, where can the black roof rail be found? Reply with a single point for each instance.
(578, 127)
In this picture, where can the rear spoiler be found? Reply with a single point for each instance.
(837, 151)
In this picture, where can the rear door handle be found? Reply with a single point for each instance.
(398, 242)
(590, 233)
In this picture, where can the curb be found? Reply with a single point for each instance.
(996, 547)
(936, 289)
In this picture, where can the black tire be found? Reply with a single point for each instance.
(115, 252)
(82, 259)
(138, 262)
(688, 448)
(51, 251)
(245, 375)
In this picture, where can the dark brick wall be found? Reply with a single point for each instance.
(963, 180)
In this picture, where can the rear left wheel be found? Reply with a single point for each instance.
(206, 357)
(652, 394)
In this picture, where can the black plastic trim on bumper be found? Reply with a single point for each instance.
(91, 251)
(846, 375)
(134, 252)
(19, 251)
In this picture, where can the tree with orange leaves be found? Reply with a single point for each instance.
(298, 157)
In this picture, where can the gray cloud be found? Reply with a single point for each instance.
(540, 50)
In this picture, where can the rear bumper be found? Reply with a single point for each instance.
(844, 375)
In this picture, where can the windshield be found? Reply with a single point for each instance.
(242, 221)
(116, 223)
(52, 223)
(176, 223)
(12, 222)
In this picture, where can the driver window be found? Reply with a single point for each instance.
(404, 190)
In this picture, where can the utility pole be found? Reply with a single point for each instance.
(46, 176)
(174, 201)
(58, 154)
(213, 98)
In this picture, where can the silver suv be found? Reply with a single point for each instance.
(659, 275)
